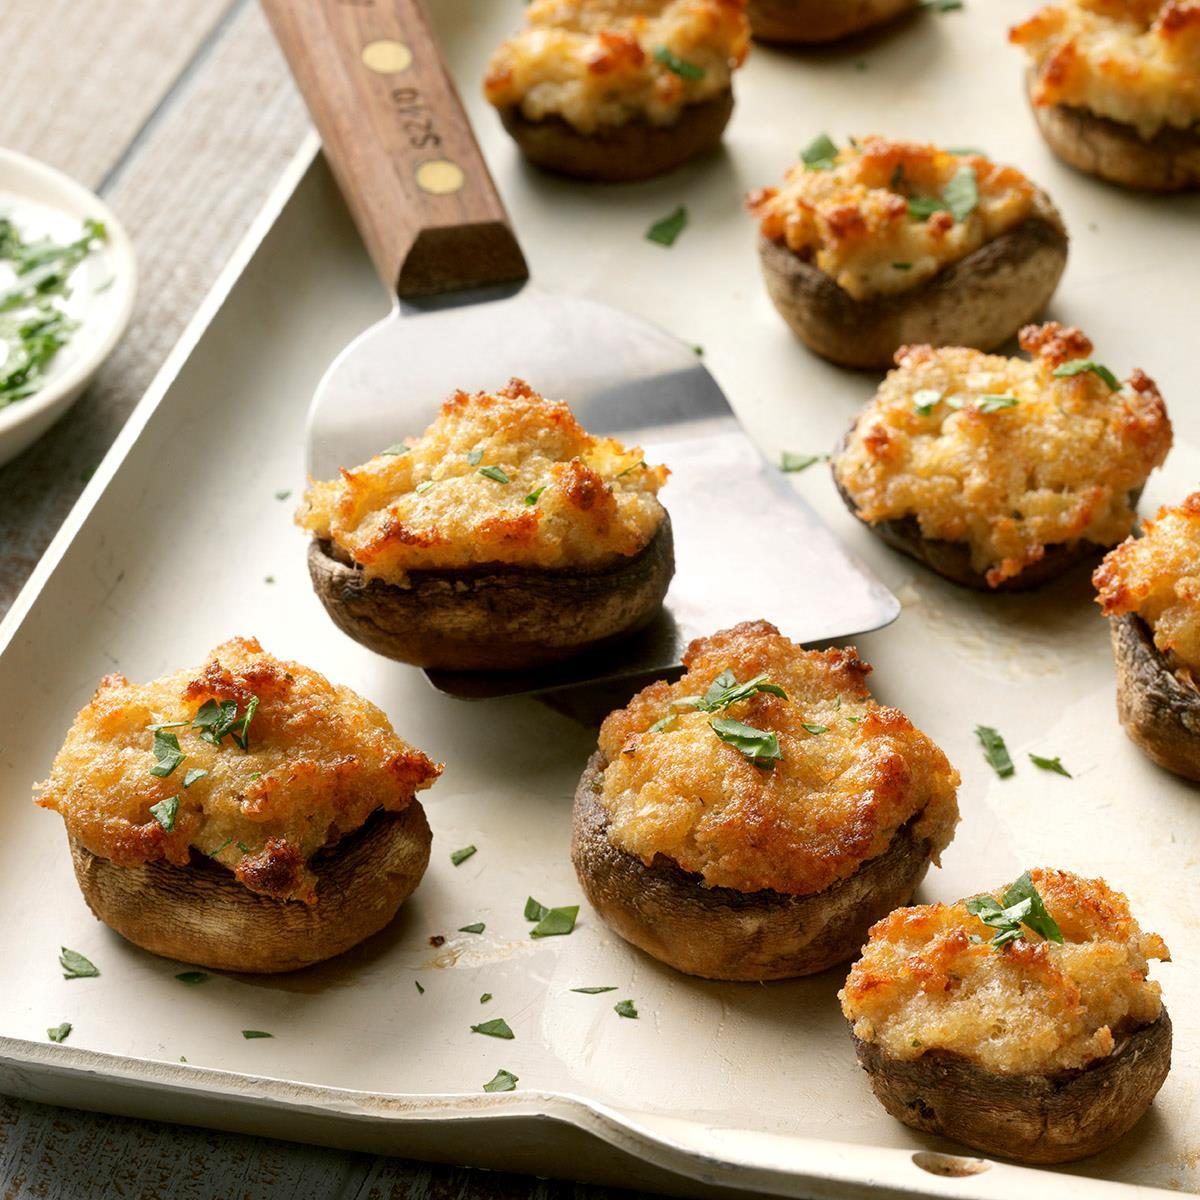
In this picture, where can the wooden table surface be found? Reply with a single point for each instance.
(183, 117)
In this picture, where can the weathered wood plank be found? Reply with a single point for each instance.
(80, 80)
(203, 166)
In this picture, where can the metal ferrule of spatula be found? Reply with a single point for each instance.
(466, 316)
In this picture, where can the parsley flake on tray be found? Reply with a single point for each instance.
(502, 1081)
(1050, 764)
(665, 231)
(626, 1008)
(75, 966)
(458, 857)
(995, 751)
(59, 1033)
(497, 1028)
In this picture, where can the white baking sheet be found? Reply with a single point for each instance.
(736, 1085)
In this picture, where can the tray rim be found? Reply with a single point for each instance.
(801, 1166)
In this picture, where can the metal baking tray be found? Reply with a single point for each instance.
(715, 1086)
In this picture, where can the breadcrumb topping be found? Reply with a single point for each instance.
(850, 774)
(853, 221)
(1032, 1007)
(1157, 577)
(504, 477)
(1133, 61)
(1000, 454)
(319, 761)
(603, 63)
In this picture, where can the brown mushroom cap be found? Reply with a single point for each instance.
(980, 300)
(620, 153)
(495, 618)
(201, 914)
(722, 933)
(1111, 150)
(811, 21)
(1159, 711)
(952, 560)
(1028, 1118)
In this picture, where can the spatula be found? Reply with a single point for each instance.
(467, 317)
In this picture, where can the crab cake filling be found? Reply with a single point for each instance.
(769, 767)
(881, 217)
(505, 477)
(253, 762)
(597, 64)
(1157, 578)
(1007, 456)
(1133, 61)
(931, 978)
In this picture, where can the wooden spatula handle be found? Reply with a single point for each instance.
(399, 143)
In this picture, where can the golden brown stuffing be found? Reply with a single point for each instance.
(1133, 61)
(1001, 454)
(601, 63)
(854, 222)
(1157, 577)
(1031, 1007)
(849, 775)
(504, 477)
(318, 761)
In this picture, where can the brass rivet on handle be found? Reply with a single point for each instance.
(386, 57)
(440, 176)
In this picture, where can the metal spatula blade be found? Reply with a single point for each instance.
(746, 545)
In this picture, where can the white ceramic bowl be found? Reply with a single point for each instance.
(44, 201)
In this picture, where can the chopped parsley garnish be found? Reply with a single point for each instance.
(283, 493)
(474, 927)
(902, 266)
(925, 401)
(1050, 764)
(665, 230)
(494, 473)
(502, 1081)
(33, 325)
(485, 997)
(966, 151)
(814, 729)
(75, 966)
(942, 5)
(192, 775)
(166, 752)
(535, 495)
(820, 154)
(961, 193)
(420, 989)
(761, 747)
(59, 1033)
(791, 463)
(534, 911)
(725, 690)
(165, 812)
(556, 921)
(497, 1029)
(218, 719)
(994, 750)
(1077, 366)
(193, 977)
(214, 853)
(249, 1034)
(475, 457)
(637, 466)
(983, 404)
(1020, 905)
(458, 857)
(422, 488)
(664, 723)
(626, 1008)
(594, 991)
(920, 208)
(394, 449)
(676, 65)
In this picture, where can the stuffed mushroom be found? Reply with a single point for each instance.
(615, 90)
(246, 815)
(1149, 588)
(805, 22)
(1019, 1022)
(1113, 85)
(1001, 473)
(752, 820)
(882, 244)
(504, 537)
